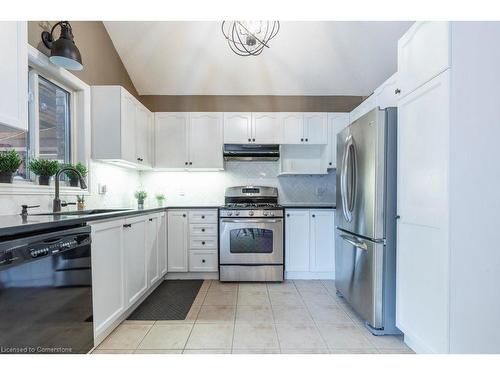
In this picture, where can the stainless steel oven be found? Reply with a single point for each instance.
(251, 235)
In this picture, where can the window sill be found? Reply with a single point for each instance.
(30, 188)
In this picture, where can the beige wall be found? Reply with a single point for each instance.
(101, 63)
(251, 103)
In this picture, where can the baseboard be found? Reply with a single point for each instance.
(192, 276)
(310, 275)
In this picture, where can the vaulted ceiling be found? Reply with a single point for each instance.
(305, 58)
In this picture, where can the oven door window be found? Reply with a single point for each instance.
(251, 241)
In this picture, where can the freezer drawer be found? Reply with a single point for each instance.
(359, 267)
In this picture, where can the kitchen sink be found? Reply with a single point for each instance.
(84, 212)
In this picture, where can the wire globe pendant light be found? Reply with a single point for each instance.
(248, 38)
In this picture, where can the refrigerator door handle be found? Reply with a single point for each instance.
(353, 241)
(343, 181)
(353, 175)
(348, 183)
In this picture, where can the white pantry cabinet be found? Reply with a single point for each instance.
(134, 248)
(121, 128)
(309, 243)
(308, 128)
(14, 74)
(337, 121)
(188, 140)
(177, 241)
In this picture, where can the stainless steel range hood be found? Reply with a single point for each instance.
(250, 152)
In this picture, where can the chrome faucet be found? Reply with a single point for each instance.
(56, 206)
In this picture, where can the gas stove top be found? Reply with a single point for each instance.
(251, 206)
(251, 201)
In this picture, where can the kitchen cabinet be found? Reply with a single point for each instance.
(153, 249)
(336, 123)
(188, 141)
(246, 127)
(121, 128)
(366, 106)
(162, 243)
(14, 74)
(108, 292)
(387, 94)
(309, 128)
(237, 127)
(177, 238)
(134, 249)
(309, 243)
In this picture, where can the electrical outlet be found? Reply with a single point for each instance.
(102, 189)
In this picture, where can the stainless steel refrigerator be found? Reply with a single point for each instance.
(365, 241)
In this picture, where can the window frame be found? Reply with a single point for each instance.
(80, 127)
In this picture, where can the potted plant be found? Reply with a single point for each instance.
(73, 177)
(140, 195)
(160, 198)
(44, 169)
(80, 202)
(9, 163)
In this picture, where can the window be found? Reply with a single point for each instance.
(49, 133)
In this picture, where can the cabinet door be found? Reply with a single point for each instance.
(177, 241)
(266, 128)
(205, 140)
(134, 245)
(297, 241)
(422, 231)
(322, 237)
(385, 94)
(237, 127)
(152, 249)
(171, 140)
(423, 52)
(14, 74)
(336, 123)
(142, 136)
(108, 291)
(128, 131)
(162, 244)
(315, 128)
(292, 128)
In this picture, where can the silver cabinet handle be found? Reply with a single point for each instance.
(353, 242)
(252, 221)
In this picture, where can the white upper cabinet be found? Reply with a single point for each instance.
(336, 123)
(292, 128)
(171, 139)
(266, 128)
(237, 127)
(186, 140)
(121, 127)
(205, 140)
(423, 53)
(14, 74)
(315, 128)
(386, 95)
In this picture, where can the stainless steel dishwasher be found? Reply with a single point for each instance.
(46, 293)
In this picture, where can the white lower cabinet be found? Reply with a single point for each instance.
(134, 240)
(192, 240)
(162, 243)
(310, 243)
(153, 249)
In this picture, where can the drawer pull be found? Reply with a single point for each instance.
(202, 216)
(127, 225)
(203, 229)
(183, 215)
(203, 242)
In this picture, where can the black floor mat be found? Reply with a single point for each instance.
(170, 301)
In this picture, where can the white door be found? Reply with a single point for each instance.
(14, 74)
(266, 128)
(292, 128)
(422, 237)
(171, 141)
(336, 123)
(322, 247)
(205, 140)
(108, 291)
(297, 241)
(315, 128)
(128, 130)
(424, 51)
(162, 244)
(142, 135)
(152, 249)
(237, 127)
(177, 238)
(134, 245)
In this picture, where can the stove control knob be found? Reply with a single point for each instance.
(271, 213)
(229, 214)
(237, 213)
(251, 213)
(266, 213)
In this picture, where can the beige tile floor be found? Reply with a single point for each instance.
(294, 317)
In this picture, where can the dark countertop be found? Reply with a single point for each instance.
(11, 225)
(310, 205)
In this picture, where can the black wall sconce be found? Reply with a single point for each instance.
(63, 51)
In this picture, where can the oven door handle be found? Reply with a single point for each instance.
(252, 221)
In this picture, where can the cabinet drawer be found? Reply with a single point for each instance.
(203, 243)
(203, 261)
(199, 216)
(203, 229)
